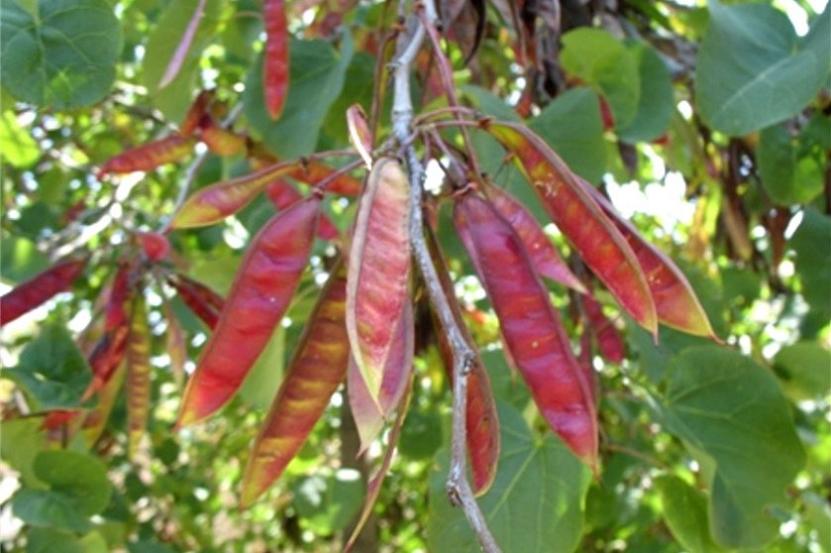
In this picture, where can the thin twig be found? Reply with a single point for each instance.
(193, 170)
(458, 488)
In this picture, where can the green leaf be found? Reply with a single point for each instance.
(805, 370)
(727, 407)
(317, 77)
(80, 477)
(572, 126)
(50, 540)
(17, 147)
(606, 64)
(63, 57)
(489, 103)
(656, 100)
(45, 508)
(506, 383)
(20, 259)
(786, 178)
(328, 504)
(813, 259)
(357, 89)
(52, 370)
(534, 506)
(685, 512)
(174, 99)
(421, 435)
(754, 71)
(20, 441)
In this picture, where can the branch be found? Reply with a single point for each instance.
(458, 488)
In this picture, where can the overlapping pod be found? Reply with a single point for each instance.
(282, 194)
(151, 155)
(374, 485)
(200, 299)
(316, 370)
(138, 375)
(541, 251)
(675, 301)
(276, 58)
(379, 270)
(313, 172)
(609, 341)
(533, 334)
(368, 414)
(481, 418)
(221, 141)
(213, 203)
(359, 133)
(30, 294)
(266, 281)
(95, 420)
(197, 110)
(581, 220)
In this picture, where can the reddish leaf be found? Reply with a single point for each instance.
(265, 283)
(155, 245)
(147, 157)
(276, 59)
(213, 203)
(379, 271)
(582, 221)
(531, 328)
(315, 372)
(138, 375)
(481, 419)
(359, 133)
(675, 301)
(30, 294)
(544, 256)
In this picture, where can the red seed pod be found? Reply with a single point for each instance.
(282, 194)
(481, 418)
(276, 59)
(314, 373)
(379, 270)
(359, 133)
(544, 256)
(609, 340)
(265, 283)
(675, 301)
(221, 141)
(574, 211)
(313, 172)
(30, 294)
(154, 244)
(151, 155)
(196, 112)
(531, 328)
(201, 300)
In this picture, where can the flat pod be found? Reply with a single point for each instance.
(481, 418)
(359, 134)
(151, 155)
(30, 294)
(675, 301)
(214, 203)
(276, 59)
(608, 339)
(265, 283)
(282, 194)
(138, 375)
(368, 414)
(379, 271)
(316, 370)
(533, 334)
(315, 173)
(581, 220)
(544, 256)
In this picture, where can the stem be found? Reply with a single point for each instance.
(458, 488)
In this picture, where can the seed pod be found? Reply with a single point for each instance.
(138, 375)
(313, 172)
(481, 419)
(282, 194)
(196, 112)
(315, 372)
(30, 294)
(155, 245)
(151, 155)
(276, 58)
(531, 329)
(265, 283)
(544, 256)
(608, 339)
(359, 133)
(379, 271)
(581, 220)
(675, 301)
(221, 141)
